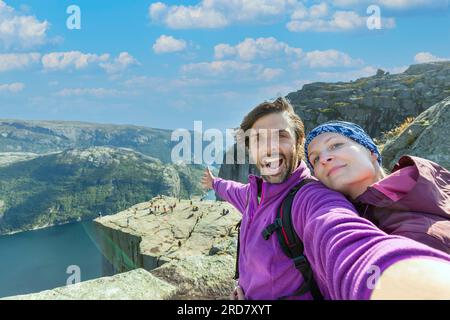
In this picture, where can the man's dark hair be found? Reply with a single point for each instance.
(280, 105)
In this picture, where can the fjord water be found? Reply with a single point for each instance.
(38, 260)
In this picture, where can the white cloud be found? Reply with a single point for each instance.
(94, 92)
(231, 69)
(316, 11)
(392, 4)
(406, 4)
(339, 21)
(167, 44)
(157, 11)
(265, 48)
(187, 17)
(20, 31)
(121, 63)
(217, 13)
(424, 57)
(271, 73)
(78, 60)
(11, 87)
(71, 59)
(17, 61)
(250, 49)
(318, 17)
(330, 58)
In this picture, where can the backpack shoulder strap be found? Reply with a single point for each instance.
(293, 247)
(236, 269)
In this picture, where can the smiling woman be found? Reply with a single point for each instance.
(413, 201)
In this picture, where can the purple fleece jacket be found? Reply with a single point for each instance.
(343, 248)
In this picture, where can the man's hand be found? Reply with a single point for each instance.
(207, 180)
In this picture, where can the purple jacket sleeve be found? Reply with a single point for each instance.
(346, 251)
(233, 192)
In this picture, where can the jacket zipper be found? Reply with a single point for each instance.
(250, 218)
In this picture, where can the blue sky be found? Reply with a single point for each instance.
(166, 64)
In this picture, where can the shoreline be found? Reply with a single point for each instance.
(43, 227)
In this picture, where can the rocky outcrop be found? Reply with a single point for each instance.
(378, 103)
(191, 247)
(138, 284)
(427, 136)
(200, 277)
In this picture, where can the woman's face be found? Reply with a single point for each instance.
(342, 164)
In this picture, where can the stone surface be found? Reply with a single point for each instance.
(378, 103)
(138, 284)
(200, 277)
(427, 136)
(192, 249)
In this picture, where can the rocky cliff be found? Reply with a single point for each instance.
(378, 103)
(192, 247)
(427, 136)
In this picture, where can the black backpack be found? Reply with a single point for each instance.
(290, 243)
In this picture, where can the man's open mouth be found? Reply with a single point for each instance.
(272, 166)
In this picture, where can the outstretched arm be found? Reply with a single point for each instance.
(353, 259)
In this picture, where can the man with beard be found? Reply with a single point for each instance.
(349, 257)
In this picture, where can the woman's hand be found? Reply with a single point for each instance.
(207, 180)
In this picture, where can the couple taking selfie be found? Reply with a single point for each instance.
(325, 221)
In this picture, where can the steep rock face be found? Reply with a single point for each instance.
(193, 250)
(81, 183)
(133, 285)
(378, 103)
(53, 136)
(427, 136)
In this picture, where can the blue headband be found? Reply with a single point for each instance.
(348, 129)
